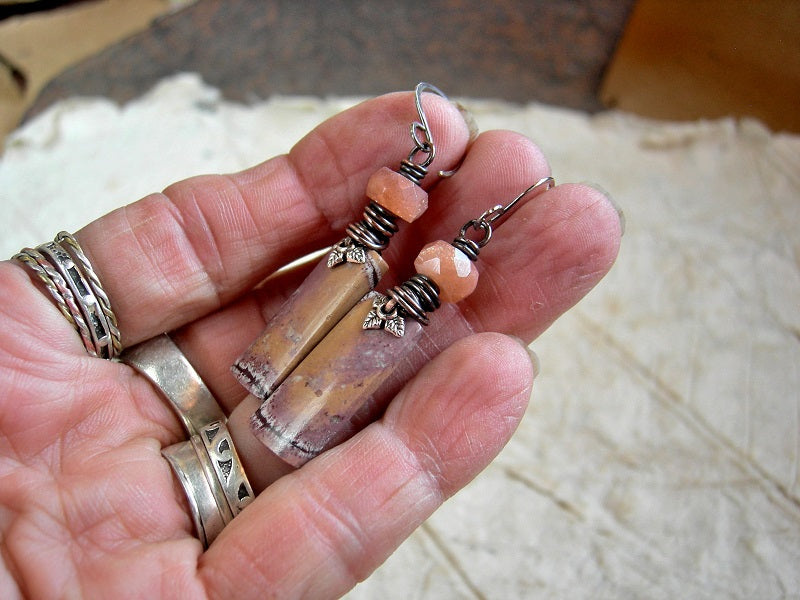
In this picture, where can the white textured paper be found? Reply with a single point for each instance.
(659, 458)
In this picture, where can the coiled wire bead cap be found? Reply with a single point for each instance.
(417, 297)
(376, 228)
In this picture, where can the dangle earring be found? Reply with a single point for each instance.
(352, 268)
(346, 380)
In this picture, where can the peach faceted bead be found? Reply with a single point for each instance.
(451, 270)
(397, 193)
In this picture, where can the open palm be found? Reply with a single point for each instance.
(90, 507)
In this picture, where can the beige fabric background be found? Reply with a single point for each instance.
(660, 455)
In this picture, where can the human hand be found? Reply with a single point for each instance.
(91, 508)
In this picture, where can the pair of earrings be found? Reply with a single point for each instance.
(323, 364)
(353, 267)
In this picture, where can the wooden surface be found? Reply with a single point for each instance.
(684, 60)
(551, 51)
(39, 46)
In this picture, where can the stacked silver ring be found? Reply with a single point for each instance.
(207, 464)
(68, 276)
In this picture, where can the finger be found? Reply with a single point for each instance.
(543, 260)
(173, 257)
(357, 503)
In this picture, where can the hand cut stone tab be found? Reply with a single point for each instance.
(343, 384)
(398, 194)
(305, 318)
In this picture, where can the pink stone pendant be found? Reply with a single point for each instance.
(342, 385)
(305, 318)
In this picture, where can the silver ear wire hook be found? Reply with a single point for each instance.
(494, 213)
(426, 143)
(484, 223)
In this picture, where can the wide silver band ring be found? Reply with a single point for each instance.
(203, 506)
(162, 362)
(207, 465)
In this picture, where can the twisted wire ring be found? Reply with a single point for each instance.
(48, 283)
(94, 282)
(77, 318)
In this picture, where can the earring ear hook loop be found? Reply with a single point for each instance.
(425, 143)
(498, 211)
(484, 223)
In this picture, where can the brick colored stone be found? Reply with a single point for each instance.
(397, 193)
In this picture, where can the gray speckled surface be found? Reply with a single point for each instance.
(659, 457)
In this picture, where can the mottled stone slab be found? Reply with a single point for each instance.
(307, 316)
(336, 390)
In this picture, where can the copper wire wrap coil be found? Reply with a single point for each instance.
(417, 297)
(376, 228)
(469, 247)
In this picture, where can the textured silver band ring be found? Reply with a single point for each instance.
(63, 289)
(84, 296)
(227, 466)
(68, 241)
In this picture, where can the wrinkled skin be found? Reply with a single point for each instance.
(89, 506)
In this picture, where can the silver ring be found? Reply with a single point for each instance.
(207, 465)
(227, 466)
(213, 479)
(75, 288)
(162, 362)
(203, 506)
(84, 296)
(75, 249)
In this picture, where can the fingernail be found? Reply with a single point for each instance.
(612, 201)
(531, 354)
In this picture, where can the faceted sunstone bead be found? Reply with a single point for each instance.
(451, 270)
(397, 193)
